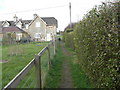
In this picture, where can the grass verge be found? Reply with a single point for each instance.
(54, 75)
(80, 79)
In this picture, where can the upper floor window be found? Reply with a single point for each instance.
(37, 24)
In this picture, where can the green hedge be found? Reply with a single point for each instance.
(68, 39)
(96, 43)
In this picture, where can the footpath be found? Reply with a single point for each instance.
(66, 78)
(66, 71)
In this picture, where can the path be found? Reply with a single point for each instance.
(66, 79)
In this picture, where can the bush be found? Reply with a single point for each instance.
(97, 45)
(16, 50)
(7, 39)
(68, 39)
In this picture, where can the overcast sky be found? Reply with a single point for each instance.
(48, 8)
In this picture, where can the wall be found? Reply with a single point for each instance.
(51, 32)
(33, 29)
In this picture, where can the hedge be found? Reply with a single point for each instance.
(68, 39)
(96, 42)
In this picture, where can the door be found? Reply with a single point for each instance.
(49, 37)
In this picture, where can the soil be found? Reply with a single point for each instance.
(66, 78)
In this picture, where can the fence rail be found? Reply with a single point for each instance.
(35, 62)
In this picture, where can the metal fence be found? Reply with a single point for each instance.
(33, 75)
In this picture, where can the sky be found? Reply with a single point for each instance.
(59, 9)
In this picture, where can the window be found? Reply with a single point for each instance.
(37, 24)
(37, 35)
(18, 36)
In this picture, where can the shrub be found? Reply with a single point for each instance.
(16, 50)
(97, 45)
(68, 39)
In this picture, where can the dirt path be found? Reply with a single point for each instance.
(66, 79)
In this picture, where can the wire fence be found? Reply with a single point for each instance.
(44, 66)
(34, 74)
(29, 80)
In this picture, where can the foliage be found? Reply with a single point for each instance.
(68, 39)
(97, 45)
(54, 75)
(80, 79)
(8, 39)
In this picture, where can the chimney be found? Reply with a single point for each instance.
(20, 19)
(15, 18)
(34, 16)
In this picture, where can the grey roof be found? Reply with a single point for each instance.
(10, 29)
(12, 23)
(1, 23)
(26, 21)
(50, 21)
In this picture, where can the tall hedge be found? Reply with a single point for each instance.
(68, 39)
(96, 41)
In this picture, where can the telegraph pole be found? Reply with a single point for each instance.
(70, 13)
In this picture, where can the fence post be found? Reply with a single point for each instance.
(38, 71)
(49, 62)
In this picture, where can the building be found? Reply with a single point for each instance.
(39, 29)
(11, 34)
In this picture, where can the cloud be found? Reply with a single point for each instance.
(79, 8)
(1, 4)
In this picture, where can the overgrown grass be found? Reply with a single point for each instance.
(54, 75)
(17, 62)
(80, 79)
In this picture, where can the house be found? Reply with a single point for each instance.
(39, 29)
(22, 24)
(42, 29)
(13, 32)
(51, 28)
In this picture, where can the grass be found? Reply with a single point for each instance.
(29, 81)
(17, 62)
(54, 75)
(80, 79)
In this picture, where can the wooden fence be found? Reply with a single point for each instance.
(36, 62)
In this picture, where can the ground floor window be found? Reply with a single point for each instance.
(18, 36)
(37, 35)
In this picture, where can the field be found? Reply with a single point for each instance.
(17, 57)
